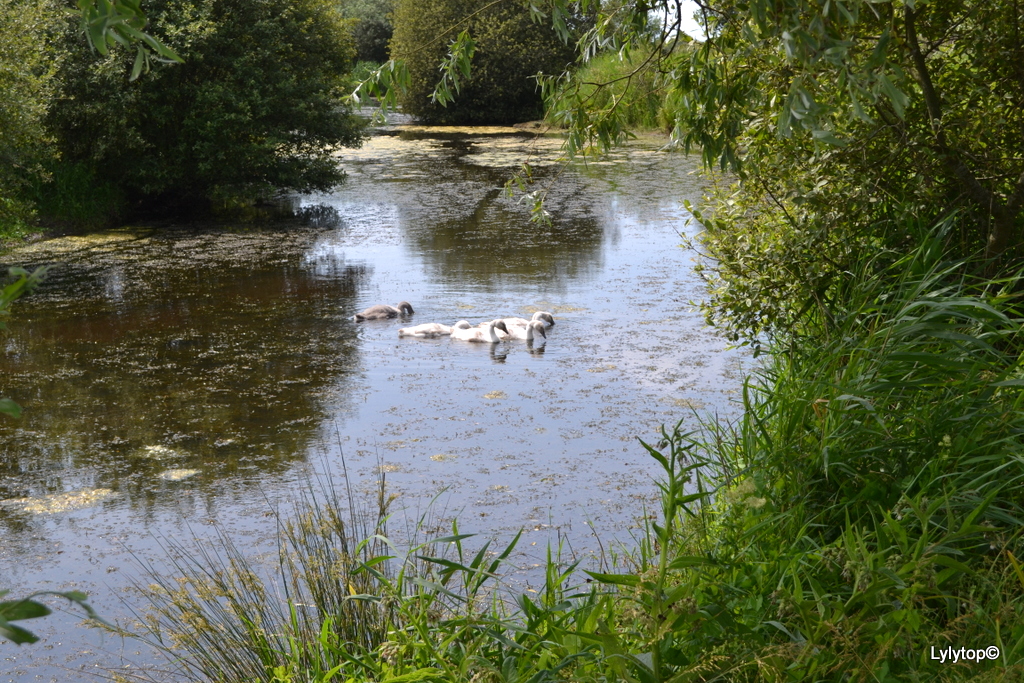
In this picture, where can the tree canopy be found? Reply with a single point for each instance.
(836, 118)
(255, 105)
(498, 83)
(26, 81)
(372, 30)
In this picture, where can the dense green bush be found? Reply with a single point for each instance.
(372, 37)
(27, 62)
(868, 501)
(839, 125)
(372, 30)
(255, 106)
(510, 51)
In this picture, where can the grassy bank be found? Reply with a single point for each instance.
(865, 510)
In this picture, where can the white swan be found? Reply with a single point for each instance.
(382, 311)
(542, 316)
(486, 335)
(431, 330)
(533, 331)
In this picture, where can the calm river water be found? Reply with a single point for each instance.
(177, 380)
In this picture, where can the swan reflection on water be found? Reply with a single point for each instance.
(431, 330)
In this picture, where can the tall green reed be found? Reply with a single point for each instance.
(219, 615)
(342, 608)
(868, 503)
(866, 507)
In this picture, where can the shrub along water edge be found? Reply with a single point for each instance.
(255, 108)
(510, 50)
(868, 503)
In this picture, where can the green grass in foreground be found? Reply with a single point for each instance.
(865, 509)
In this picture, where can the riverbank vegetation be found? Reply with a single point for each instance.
(862, 516)
(26, 79)
(254, 108)
(628, 87)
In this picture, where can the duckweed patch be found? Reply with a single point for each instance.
(55, 503)
(159, 452)
(177, 474)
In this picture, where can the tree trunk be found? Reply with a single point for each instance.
(1003, 214)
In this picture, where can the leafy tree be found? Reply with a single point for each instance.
(30, 55)
(372, 37)
(837, 119)
(503, 51)
(372, 30)
(26, 71)
(254, 107)
(107, 23)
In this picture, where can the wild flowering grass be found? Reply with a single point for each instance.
(865, 509)
(220, 616)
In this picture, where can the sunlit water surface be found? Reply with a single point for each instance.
(177, 379)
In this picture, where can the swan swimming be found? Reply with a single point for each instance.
(486, 335)
(543, 316)
(383, 311)
(431, 330)
(533, 331)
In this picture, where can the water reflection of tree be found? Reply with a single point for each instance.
(477, 236)
(225, 360)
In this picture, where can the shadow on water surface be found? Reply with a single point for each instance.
(488, 241)
(148, 355)
(442, 192)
